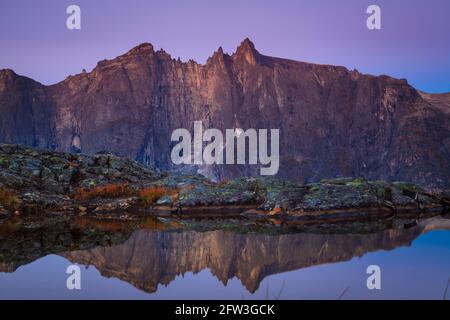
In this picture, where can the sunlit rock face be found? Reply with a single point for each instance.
(149, 259)
(332, 121)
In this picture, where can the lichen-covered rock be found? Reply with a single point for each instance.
(242, 191)
(39, 176)
(48, 180)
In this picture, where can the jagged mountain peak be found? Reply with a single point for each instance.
(7, 71)
(10, 78)
(246, 46)
(350, 124)
(247, 52)
(219, 56)
(8, 74)
(142, 48)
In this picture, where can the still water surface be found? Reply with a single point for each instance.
(157, 264)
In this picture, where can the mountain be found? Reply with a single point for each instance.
(26, 111)
(332, 121)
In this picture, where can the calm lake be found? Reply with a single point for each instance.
(153, 263)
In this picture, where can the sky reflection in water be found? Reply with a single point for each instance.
(295, 266)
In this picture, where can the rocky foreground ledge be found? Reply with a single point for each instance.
(36, 181)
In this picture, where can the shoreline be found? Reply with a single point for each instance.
(38, 182)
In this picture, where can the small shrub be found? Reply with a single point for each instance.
(223, 182)
(9, 199)
(106, 191)
(150, 195)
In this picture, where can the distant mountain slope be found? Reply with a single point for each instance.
(333, 122)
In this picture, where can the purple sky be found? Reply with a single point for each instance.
(414, 42)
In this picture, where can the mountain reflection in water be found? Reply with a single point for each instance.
(151, 257)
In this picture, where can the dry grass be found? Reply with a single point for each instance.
(150, 195)
(9, 199)
(147, 196)
(106, 191)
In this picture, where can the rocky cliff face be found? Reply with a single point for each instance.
(332, 121)
(26, 111)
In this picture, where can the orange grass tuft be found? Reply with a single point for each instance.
(149, 195)
(223, 182)
(9, 199)
(106, 191)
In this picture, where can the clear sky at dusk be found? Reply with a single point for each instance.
(414, 42)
